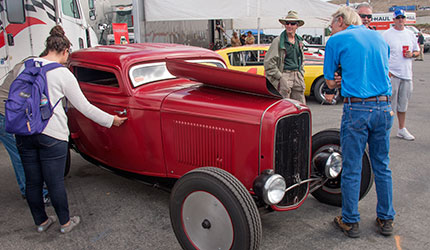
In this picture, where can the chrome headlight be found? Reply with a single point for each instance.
(270, 187)
(333, 165)
(328, 163)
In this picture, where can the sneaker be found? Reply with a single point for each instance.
(50, 221)
(385, 226)
(74, 221)
(349, 229)
(404, 134)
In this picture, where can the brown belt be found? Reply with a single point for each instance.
(381, 98)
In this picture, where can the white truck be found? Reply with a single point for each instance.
(25, 25)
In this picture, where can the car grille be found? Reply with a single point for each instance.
(292, 149)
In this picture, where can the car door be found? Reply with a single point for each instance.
(73, 23)
(117, 147)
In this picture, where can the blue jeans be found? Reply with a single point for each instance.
(9, 143)
(44, 160)
(366, 122)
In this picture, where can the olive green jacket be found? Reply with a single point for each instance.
(275, 56)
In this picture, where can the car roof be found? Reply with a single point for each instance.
(246, 47)
(130, 53)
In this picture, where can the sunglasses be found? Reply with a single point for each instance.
(290, 23)
(365, 15)
(402, 17)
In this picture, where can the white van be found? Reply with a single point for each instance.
(25, 25)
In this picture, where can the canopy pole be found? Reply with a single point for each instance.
(258, 30)
(258, 20)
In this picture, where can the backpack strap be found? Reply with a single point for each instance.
(51, 66)
(29, 63)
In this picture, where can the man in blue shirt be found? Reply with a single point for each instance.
(367, 115)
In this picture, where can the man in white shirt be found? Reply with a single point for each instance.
(403, 47)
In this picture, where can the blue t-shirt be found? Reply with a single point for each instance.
(363, 55)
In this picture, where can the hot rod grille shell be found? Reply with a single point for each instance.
(292, 155)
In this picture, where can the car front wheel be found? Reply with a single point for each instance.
(211, 209)
(330, 192)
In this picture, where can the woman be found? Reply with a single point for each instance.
(44, 155)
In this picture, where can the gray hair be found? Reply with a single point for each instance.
(363, 5)
(349, 15)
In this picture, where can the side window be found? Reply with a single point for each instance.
(95, 76)
(153, 72)
(15, 11)
(255, 58)
(91, 4)
(236, 59)
(146, 73)
(70, 8)
(247, 58)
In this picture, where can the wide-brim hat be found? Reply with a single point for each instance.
(292, 17)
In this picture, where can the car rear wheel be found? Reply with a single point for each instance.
(330, 192)
(319, 91)
(211, 209)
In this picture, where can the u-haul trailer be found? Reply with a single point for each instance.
(383, 21)
(25, 25)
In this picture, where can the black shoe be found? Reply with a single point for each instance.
(349, 229)
(385, 226)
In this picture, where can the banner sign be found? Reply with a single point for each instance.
(120, 32)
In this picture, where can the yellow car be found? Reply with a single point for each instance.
(250, 58)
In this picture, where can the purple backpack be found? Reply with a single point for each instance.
(28, 108)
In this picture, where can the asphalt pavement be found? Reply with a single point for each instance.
(119, 213)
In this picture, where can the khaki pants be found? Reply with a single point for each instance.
(292, 85)
(421, 56)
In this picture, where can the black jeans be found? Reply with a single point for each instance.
(44, 160)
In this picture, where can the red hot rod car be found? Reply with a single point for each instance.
(230, 142)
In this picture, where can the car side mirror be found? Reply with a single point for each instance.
(10, 40)
(92, 14)
(102, 26)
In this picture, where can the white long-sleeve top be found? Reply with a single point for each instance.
(62, 83)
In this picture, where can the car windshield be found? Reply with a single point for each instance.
(151, 72)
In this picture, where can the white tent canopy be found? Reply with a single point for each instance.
(263, 14)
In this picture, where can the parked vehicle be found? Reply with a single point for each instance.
(403, 7)
(228, 142)
(26, 24)
(383, 21)
(122, 14)
(251, 59)
(426, 37)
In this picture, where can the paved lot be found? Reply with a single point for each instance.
(119, 213)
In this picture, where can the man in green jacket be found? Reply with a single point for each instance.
(283, 62)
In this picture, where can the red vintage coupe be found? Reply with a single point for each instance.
(229, 142)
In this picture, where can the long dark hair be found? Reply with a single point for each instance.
(56, 41)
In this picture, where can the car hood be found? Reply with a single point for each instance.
(222, 78)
